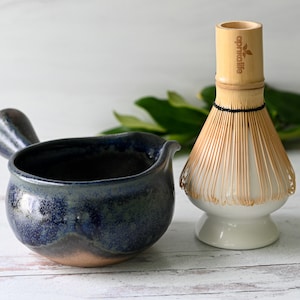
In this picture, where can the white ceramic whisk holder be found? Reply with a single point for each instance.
(237, 227)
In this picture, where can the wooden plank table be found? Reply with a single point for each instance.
(178, 266)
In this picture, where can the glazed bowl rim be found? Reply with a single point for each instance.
(31, 178)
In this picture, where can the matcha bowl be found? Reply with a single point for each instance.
(87, 202)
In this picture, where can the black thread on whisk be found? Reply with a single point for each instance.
(238, 110)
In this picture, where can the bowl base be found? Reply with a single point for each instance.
(236, 234)
(87, 260)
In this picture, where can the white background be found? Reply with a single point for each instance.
(68, 63)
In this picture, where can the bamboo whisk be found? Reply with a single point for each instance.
(238, 158)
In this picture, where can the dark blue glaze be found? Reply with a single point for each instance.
(109, 196)
(16, 132)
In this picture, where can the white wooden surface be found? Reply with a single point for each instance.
(69, 63)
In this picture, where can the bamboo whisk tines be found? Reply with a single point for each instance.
(238, 160)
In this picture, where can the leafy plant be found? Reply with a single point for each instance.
(175, 118)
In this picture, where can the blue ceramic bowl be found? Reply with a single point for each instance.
(90, 201)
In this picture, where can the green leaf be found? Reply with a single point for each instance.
(135, 123)
(289, 134)
(119, 129)
(285, 105)
(186, 139)
(208, 95)
(173, 119)
(177, 100)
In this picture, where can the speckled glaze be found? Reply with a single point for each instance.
(87, 201)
